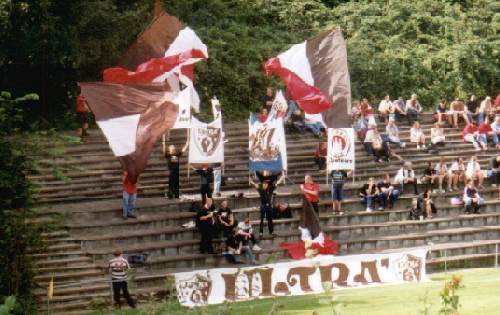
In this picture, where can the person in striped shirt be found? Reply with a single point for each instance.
(118, 267)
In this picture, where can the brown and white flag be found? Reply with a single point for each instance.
(132, 117)
(317, 78)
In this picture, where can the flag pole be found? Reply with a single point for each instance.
(188, 139)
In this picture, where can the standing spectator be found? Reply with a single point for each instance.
(399, 108)
(320, 155)
(387, 193)
(338, 180)
(206, 176)
(393, 133)
(442, 174)
(485, 110)
(437, 138)
(427, 204)
(311, 192)
(457, 110)
(413, 109)
(266, 191)
(368, 193)
(118, 267)
(457, 173)
(235, 247)
(417, 135)
(494, 171)
(173, 161)
(429, 176)
(129, 197)
(406, 176)
(267, 100)
(385, 108)
(83, 111)
(205, 222)
(217, 172)
(472, 200)
(474, 172)
(472, 109)
(495, 131)
(440, 112)
(225, 219)
(245, 229)
(471, 134)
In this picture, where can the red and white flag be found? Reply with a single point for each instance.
(132, 117)
(316, 75)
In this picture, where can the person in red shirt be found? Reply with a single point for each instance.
(129, 197)
(471, 134)
(484, 129)
(365, 108)
(263, 115)
(82, 110)
(311, 192)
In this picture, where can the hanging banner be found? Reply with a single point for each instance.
(341, 149)
(206, 143)
(280, 106)
(215, 286)
(183, 120)
(266, 145)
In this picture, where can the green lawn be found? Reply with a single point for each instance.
(480, 296)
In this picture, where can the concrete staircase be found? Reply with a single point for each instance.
(84, 197)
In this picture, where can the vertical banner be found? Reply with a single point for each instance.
(266, 145)
(183, 120)
(341, 149)
(205, 142)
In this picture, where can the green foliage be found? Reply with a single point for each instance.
(8, 305)
(450, 300)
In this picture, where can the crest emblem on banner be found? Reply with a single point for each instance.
(340, 142)
(195, 290)
(262, 147)
(408, 268)
(207, 140)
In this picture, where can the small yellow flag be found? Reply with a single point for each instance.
(50, 289)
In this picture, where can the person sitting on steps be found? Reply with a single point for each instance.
(245, 229)
(387, 193)
(406, 176)
(427, 204)
(368, 193)
(472, 200)
(225, 219)
(235, 247)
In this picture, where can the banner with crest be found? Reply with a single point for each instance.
(299, 277)
(206, 143)
(266, 145)
(341, 149)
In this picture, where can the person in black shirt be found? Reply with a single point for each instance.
(205, 222)
(472, 108)
(267, 100)
(429, 176)
(387, 193)
(368, 192)
(235, 246)
(267, 176)
(266, 190)
(472, 200)
(494, 171)
(415, 210)
(205, 179)
(225, 219)
(173, 157)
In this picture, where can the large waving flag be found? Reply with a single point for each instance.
(266, 145)
(317, 78)
(132, 117)
(165, 52)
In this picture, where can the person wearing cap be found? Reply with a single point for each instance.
(118, 267)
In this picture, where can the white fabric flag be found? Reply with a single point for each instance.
(341, 149)
(206, 143)
(184, 118)
(280, 105)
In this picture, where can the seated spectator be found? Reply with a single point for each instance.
(471, 134)
(440, 115)
(311, 192)
(406, 176)
(320, 155)
(473, 172)
(425, 199)
(263, 115)
(485, 131)
(387, 193)
(412, 109)
(457, 173)
(393, 133)
(246, 231)
(472, 109)
(417, 135)
(205, 222)
(226, 221)
(416, 212)
(472, 200)
(282, 211)
(429, 176)
(368, 193)
(442, 174)
(313, 126)
(437, 138)
(485, 110)
(360, 126)
(385, 109)
(297, 120)
(399, 108)
(457, 110)
(338, 179)
(267, 100)
(496, 105)
(494, 171)
(374, 145)
(495, 131)
(366, 109)
(235, 247)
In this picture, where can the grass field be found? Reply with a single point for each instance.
(480, 296)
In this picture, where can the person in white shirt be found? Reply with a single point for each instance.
(385, 108)
(457, 173)
(374, 144)
(246, 231)
(392, 131)
(495, 134)
(412, 109)
(417, 135)
(474, 172)
(485, 109)
(406, 176)
(437, 137)
(442, 174)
